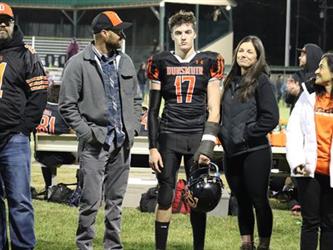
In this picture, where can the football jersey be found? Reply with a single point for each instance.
(52, 122)
(184, 88)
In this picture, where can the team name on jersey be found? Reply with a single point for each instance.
(181, 70)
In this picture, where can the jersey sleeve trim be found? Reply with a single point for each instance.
(152, 70)
(37, 83)
(217, 69)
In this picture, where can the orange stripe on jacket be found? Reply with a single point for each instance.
(39, 87)
(36, 78)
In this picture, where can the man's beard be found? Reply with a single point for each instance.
(5, 40)
(113, 46)
(5, 36)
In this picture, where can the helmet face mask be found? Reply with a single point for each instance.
(204, 189)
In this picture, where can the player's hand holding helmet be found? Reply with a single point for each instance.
(208, 140)
(204, 189)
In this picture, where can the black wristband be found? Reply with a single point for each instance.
(207, 143)
(206, 148)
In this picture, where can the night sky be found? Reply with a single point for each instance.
(267, 19)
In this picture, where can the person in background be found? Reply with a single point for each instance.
(72, 49)
(278, 86)
(249, 112)
(142, 78)
(309, 58)
(23, 93)
(52, 123)
(293, 89)
(189, 82)
(99, 100)
(309, 147)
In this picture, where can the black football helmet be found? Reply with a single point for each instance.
(204, 188)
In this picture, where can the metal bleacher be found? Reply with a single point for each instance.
(56, 48)
(53, 46)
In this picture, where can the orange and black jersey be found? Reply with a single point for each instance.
(184, 88)
(52, 122)
(23, 88)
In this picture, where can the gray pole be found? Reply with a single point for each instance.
(196, 45)
(74, 23)
(297, 29)
(162, 16)
(287, 42)
(324, 24)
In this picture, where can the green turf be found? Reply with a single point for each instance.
(56, 225)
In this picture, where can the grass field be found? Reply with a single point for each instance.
(56, 225)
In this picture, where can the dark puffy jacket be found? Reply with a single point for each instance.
(245, 124)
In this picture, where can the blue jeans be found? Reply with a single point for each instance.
(15, 187)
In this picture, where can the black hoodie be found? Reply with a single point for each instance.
(23, 88)
(313, 56)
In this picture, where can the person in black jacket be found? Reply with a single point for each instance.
(23, 93)
(249, 111)
(142, 79)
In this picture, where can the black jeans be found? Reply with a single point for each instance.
(248, 177)
(316, 199)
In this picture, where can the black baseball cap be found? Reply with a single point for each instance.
(108, 20)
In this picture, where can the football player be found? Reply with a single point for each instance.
(189, 82)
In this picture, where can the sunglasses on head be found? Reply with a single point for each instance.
(6, 20)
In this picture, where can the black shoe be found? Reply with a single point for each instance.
(247, 247)
(34, 194)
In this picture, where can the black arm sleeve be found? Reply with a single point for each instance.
(153, 124)
(37, 84)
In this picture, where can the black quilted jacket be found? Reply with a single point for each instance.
(245, 124)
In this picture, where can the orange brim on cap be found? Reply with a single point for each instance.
(5, 9)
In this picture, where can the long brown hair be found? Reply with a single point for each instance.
(249, 80)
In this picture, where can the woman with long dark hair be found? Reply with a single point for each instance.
(249, 111)
(309, 152)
